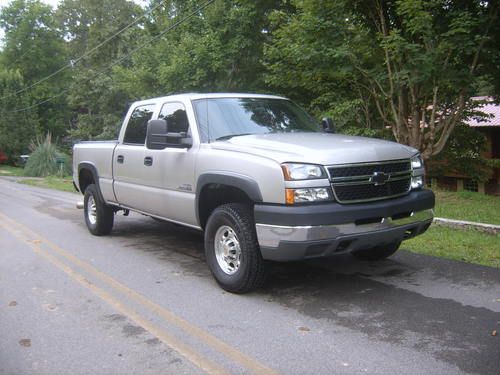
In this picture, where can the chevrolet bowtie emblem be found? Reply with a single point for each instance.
(379, 178)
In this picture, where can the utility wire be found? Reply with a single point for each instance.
(171, 27)
(73, 62)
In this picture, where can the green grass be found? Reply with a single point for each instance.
(51, 182)
(465, 245)
(8, 170)
(469, 206)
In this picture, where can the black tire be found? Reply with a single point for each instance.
(103, 218)
(235, 220)
(378, 252)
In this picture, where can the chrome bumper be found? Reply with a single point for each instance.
(273, 236)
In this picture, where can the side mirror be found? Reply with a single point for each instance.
(158, 137)
(328, 125)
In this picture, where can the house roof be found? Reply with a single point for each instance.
(489, 108)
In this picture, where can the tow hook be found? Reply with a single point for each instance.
(79, 205)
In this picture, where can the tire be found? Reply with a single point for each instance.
(99, 217)
(232, 251)
(378, 252)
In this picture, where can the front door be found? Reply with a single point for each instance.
(170, 177)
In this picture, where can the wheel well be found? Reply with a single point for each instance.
(214, 195)
(85, 178)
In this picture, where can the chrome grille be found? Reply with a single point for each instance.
(365, 182)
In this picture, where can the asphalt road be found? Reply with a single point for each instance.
(142, 301)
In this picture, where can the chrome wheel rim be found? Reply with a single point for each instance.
(91, 210)
(227, 250)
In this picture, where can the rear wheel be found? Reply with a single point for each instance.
(99, 217)
(378, 252)
(232, 251)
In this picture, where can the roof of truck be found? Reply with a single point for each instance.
(195, 95)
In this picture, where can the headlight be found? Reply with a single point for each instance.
(294, 172)
(304, 195)
(417, 162)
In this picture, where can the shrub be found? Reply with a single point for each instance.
(44, 159)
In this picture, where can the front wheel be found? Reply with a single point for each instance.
(232, 251)
(378, 252)
(99, 217)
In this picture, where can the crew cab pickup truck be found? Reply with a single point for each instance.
(260, 177)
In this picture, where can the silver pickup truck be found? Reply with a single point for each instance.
(261, 178)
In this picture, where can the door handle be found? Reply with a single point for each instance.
(120, 159)
(148, 161)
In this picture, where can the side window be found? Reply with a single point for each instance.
(137, 125)
(175, 114)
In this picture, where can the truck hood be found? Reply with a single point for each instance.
(316, 148)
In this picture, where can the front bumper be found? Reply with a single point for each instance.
(288, 233)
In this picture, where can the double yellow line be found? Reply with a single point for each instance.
(64, 260)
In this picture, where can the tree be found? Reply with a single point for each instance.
(217, 49)
(98, 33)
(34, 47)
(16, 129)
(410, 65)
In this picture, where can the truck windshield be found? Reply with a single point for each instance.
(224, 118)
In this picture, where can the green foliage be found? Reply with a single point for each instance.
(34, 47)
(376, 67)
(407, 64)
(46, 160)
(16, 129)
(463, 156)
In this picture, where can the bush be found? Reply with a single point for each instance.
(45, 160)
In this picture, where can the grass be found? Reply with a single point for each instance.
(469, 206)
(51, 182)
(465, 245)
(8, 170)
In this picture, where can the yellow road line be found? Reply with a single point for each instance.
(183, 349)
(212, 341)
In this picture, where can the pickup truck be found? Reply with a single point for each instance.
(261, 178)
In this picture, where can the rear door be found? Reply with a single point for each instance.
(129, 169)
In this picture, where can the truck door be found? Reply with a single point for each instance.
(128, 161)
(170, 174)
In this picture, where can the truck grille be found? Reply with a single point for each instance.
(354, 183)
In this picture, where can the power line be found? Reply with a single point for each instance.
(171, 27)
(73, 62)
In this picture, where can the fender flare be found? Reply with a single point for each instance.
(92, 168)
(244, 183)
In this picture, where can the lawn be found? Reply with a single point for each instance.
(8, 170)
(469, 206)
(51, 182)
(57, 183)
(464, 245)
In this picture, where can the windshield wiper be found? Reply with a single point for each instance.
(229, 136)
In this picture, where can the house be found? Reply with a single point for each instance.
(488, 125)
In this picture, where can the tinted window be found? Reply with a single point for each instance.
(137, 125)
(222, 118)
(176, 117)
